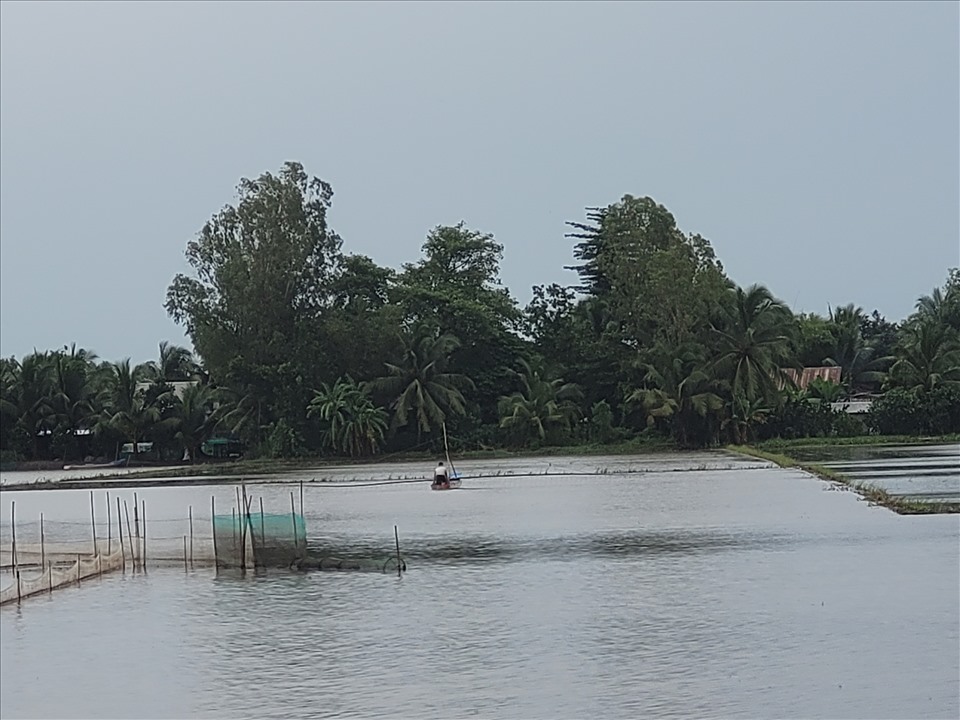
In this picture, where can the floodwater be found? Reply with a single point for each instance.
(672, 586)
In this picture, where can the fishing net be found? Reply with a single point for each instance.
(259, 539)
(53, 572)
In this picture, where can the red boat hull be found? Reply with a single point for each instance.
(452, 485)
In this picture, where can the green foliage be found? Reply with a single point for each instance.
(754, 341)
(799, 416)
(455, 288)
(815, 340)
(264, 272)
(352, 424)
(418, 387)
(542, 412)
(655, 340)
(601, 423)
(662, 285)
(861, 366)
(679, 395)
(928, 357)
(825, 391)
(903, 411)
(283, 441)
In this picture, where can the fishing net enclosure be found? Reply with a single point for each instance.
(48, 576)
(259, 539)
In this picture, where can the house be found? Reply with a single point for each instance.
(853, 406)
(827, 373)
(179, 386)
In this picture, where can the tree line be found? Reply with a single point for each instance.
(302, 349)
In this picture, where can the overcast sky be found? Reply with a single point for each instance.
(815, 145)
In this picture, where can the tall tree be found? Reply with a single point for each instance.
(456, 288)
(662, 284)
(262, 276)
(755, 342)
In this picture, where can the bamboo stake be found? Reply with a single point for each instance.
(133, 548)
(263, 533)
(190, 516)
(18, 587)
(109, 527)
(241, 528)
(396, 536)
(301, 499)
(78, 568)
(93, 524)
(13, 534)
(143, 562)
(213, 533)
(293, 517)
(136, 523)
(43, 547)
(249, 525)
(123, 555)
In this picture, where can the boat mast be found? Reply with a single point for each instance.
(446, 449)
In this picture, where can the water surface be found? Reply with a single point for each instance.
(704, 586)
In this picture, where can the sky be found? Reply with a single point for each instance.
(816, 146)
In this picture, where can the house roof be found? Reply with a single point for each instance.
(828, 373)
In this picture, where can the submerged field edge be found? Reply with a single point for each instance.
(871, 493)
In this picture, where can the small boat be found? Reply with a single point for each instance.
(453, 480)
(452, 484)
(122, 462)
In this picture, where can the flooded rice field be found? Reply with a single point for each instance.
(916, 472)
(695, 585)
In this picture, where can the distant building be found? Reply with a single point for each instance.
(179, 387)
(855, 406)
(827, 373)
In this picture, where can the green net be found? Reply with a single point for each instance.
(259, 540)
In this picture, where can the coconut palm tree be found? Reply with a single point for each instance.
(175, 364)
(679, 389)
(540, 406)
(418, 386)
(754, 342)
(128, 411)
(929, 357)
(352, 423)
(195, 418)
(72, 405)
(32, 396)
(859, 364)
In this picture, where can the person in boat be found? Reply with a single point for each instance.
(440, 476)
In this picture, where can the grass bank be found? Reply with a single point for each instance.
(781, 444)
(871, 493)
